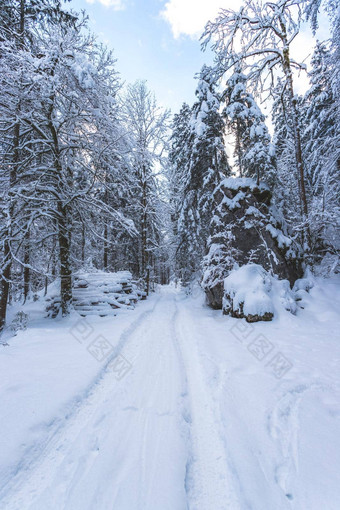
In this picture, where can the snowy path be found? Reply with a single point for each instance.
(198, 423)
(210, 480)
(149, 441)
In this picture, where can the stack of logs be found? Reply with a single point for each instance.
(101, 294)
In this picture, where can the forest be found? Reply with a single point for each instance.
(95, 174)
(170, 280)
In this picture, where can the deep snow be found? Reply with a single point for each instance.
(187, 409)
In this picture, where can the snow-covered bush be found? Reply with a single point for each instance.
(252, 293)
(329, 265)
(247, 294)
(20, 322)
(301, 290)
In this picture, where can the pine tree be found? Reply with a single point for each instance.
(322, 131)
(286, 190)
(179, 153)
(253, 149)
(206, 166)
(321, 153)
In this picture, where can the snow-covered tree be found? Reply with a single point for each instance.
(179, 154)
(18, 24)
(258, 38)
(321, 152)
(147, 124)
(206, 166)
(70, 152)
(253, 151)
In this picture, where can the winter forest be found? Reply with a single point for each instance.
(97, 176)
(145, 224)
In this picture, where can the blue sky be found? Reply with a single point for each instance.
(146, 48)
(158, 40)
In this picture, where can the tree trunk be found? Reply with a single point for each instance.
(64, 231)
(65, 265)
(106, 247)
(83, 244)
(106, 229)
(6, 272)
(238, 146)
(4, 290)
(296, 134)
(145, 273)
(22, 22)
(295, 119)
(26, 264)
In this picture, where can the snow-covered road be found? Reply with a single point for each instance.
(151, 442)
(197, 423)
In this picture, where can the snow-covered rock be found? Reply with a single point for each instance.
(250, 292)
(246, 228)
(247, 294)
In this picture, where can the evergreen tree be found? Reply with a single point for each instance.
(286, 190)
(321, 131)
(321, 152)
(253, 150)
(206, 166)
(179, 153)
(258, 38)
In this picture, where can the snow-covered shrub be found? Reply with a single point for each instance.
(252, 293)
(303, 284)
(20, 322)
(301, 289)
(283, 295)
(247, 294)
(329, 265)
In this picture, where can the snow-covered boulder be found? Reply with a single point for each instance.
(247, 294)
(246, 228)
(252, 293)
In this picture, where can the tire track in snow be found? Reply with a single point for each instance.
(184, 396)
(81, 410)
(210, 482)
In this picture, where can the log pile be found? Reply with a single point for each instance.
(101, 294)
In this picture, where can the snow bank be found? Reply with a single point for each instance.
(280, 427)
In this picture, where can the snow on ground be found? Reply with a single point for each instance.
(187, 409)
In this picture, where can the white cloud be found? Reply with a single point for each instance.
(189, 17)
(118, 5)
